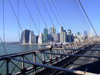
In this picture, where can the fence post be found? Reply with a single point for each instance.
(7, 66)
(23, 70)
(34, 60)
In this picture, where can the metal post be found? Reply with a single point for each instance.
(7, 66)
(34, 60)
(56, 56)
(23, 70)
(43, 57)
(60, 55)
(22, 62)
(51, 57)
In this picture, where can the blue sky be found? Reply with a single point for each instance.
(68, 14)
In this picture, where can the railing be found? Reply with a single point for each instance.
(31, 62)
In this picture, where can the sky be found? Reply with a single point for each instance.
(65, 13)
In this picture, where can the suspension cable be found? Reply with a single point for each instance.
(31, 16)
(40, 14)
(3, 23)
(3, 30)
(18, 20)
(86, 22)
(87, 17)
(61, 12)
(48, 13)
(69, 19)
(73, 21)
(3, 46)
(15, 14)
(58, 14)
(53, 13)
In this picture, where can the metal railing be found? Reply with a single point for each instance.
(33, 61)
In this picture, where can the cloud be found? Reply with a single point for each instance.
(7, 32)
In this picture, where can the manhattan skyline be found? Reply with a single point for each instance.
(11, 25)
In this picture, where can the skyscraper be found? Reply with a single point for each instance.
(50, 30)
(63, 37)
(78, 33)
(25, 36)
(60, 29)
(91, 34)
(40, 39)
(69, 32)
(30, 37)
(53, 30)
(45, 35)
(69, 35)
(34, 39)
(85, 33)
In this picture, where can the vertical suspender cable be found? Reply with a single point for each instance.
(3, 45)
(3, 30)
(30, 26)
(3, 24)
(38, 16)
(18, 20)
(29, 16)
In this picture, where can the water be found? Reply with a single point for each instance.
(17, 48)
(14, 49)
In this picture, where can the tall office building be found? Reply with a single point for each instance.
(34, 39)
(63, 37)
(60, 29)
(78, 33)
(25, 36)
(45, 35)
(30, 37)
(91, 34)
(72, 38)
(40, 39)
(69, 32)
(50, 30)
(85, 33)
(69, 35)
(55, 37)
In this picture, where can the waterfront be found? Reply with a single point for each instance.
(17, 48)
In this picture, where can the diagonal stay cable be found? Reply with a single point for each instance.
(58, 14)
(48, 13)
(40, 14)
(30, 16)
(73, 20)
(68, 15)
(61, 12)
(84, 19)
(15, 14)
(87, 17)
(53, 12)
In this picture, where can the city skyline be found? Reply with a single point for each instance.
(63, 36)
(11, 25)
